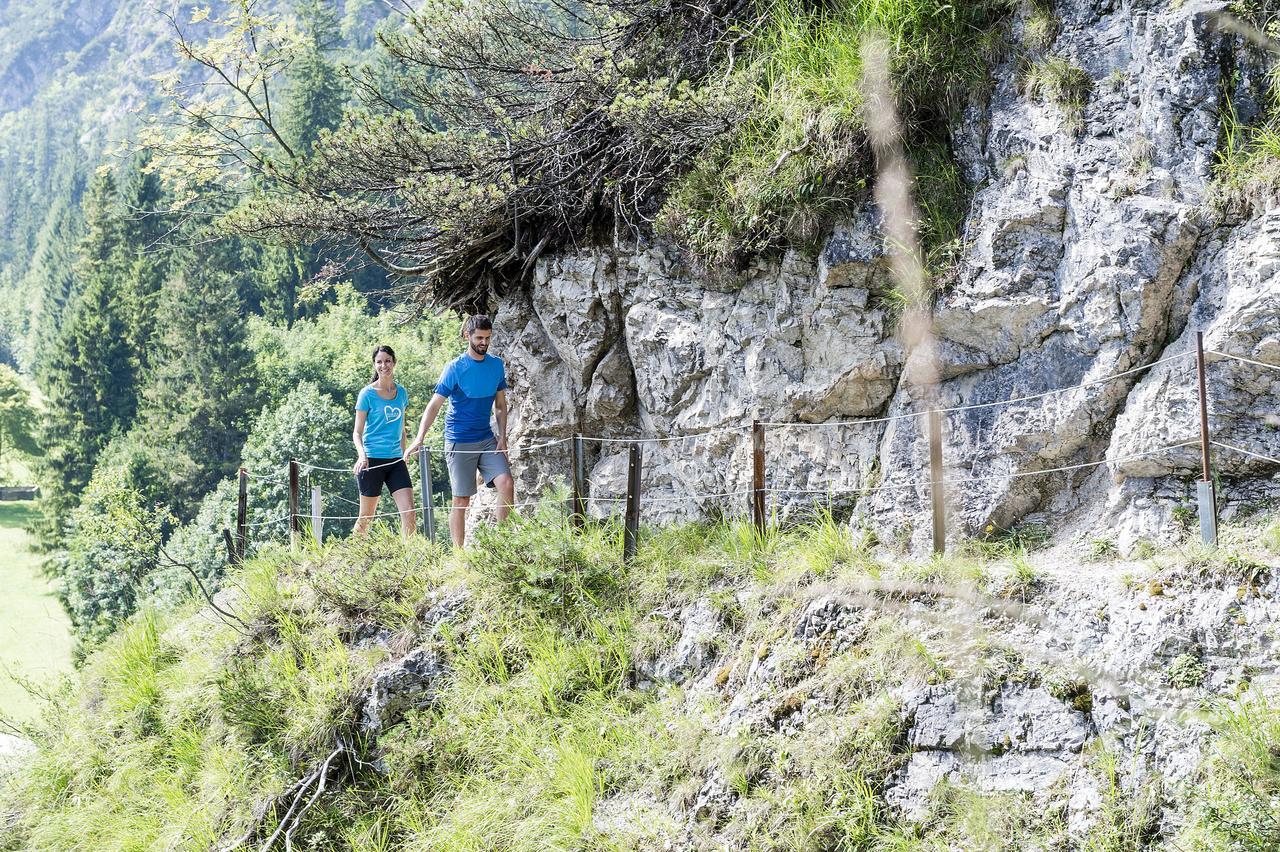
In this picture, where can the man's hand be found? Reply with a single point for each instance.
(502, 444)
(413, 450)
(360, 465)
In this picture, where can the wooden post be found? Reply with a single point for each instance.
(428, 498)
(294, 526)
(632, 527)
(317, 522)
(1206, 499)
(757, 467)
(233, 557)
(578, 503)
(242, 512)
(936, 487)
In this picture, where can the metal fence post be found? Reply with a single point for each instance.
(1206, 499)
(632, 526)
(937, 490)
(242, 512)
(578, 505)
(294, 526)
(757, 469)
(232, 556)
(317, 521)
(428, 498)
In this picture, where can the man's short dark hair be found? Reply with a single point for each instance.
(477, 322)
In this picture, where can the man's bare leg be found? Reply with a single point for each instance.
(506, 487)
(458, 520)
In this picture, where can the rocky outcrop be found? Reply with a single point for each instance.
(1089, 250)
(1035, 697)
(401, 685)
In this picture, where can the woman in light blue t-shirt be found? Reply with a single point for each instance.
(380, 443)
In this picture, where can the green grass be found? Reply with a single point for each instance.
(1057, 80)
(183, 727)
(1240, 781)
(798, 158)
(35, 637)
(1248, 167)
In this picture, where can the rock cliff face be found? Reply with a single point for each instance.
(1091, 248)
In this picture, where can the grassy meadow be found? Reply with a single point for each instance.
(35, 639)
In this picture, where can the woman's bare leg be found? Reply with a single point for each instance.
(368, 505)
(404, 503)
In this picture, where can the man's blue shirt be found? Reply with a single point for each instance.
(471, 386)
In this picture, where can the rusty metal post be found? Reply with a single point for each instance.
(294, 526)
(937, 489)
(631, 530)
(578, 504)
(428, 494)
(242, 519)
(233, 558)
(1206, 499)
(757, 470)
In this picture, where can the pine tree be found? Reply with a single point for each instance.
(316, 94)
(51, 277)
(89, 373)
(145, 233)
(201, 392)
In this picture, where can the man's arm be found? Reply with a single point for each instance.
(500, 406)
(428, 417)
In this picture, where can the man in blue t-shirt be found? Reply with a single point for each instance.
(475, 385)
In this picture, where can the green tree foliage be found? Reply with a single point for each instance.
(18, 417)
(113, 543)
(315, 93)
(513, 127)
(200, 395)
(51, 280)
(148, 258)
(90, 374)
(310, 427)
(333, 350)
(196, 547)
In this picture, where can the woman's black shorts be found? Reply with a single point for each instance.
(394, 472)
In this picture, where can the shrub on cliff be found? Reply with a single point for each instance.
(511, 128)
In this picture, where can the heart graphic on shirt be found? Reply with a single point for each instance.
(392, 413)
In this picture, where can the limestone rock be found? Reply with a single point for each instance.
(696, 648)
(401, 685)
(1087, 252)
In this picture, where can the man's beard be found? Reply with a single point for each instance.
(478, 351)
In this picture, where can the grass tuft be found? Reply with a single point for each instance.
(799, 159)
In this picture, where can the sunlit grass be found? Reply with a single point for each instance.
(544, 718)
(799, 157)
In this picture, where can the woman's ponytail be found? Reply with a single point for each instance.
(376, 350)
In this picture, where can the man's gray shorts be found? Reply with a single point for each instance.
(464, 460)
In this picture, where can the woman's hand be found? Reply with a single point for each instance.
(360, 465)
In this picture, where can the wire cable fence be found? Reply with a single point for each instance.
(759, 492)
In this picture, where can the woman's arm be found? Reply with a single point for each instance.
(357, 437)
(404, 430)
